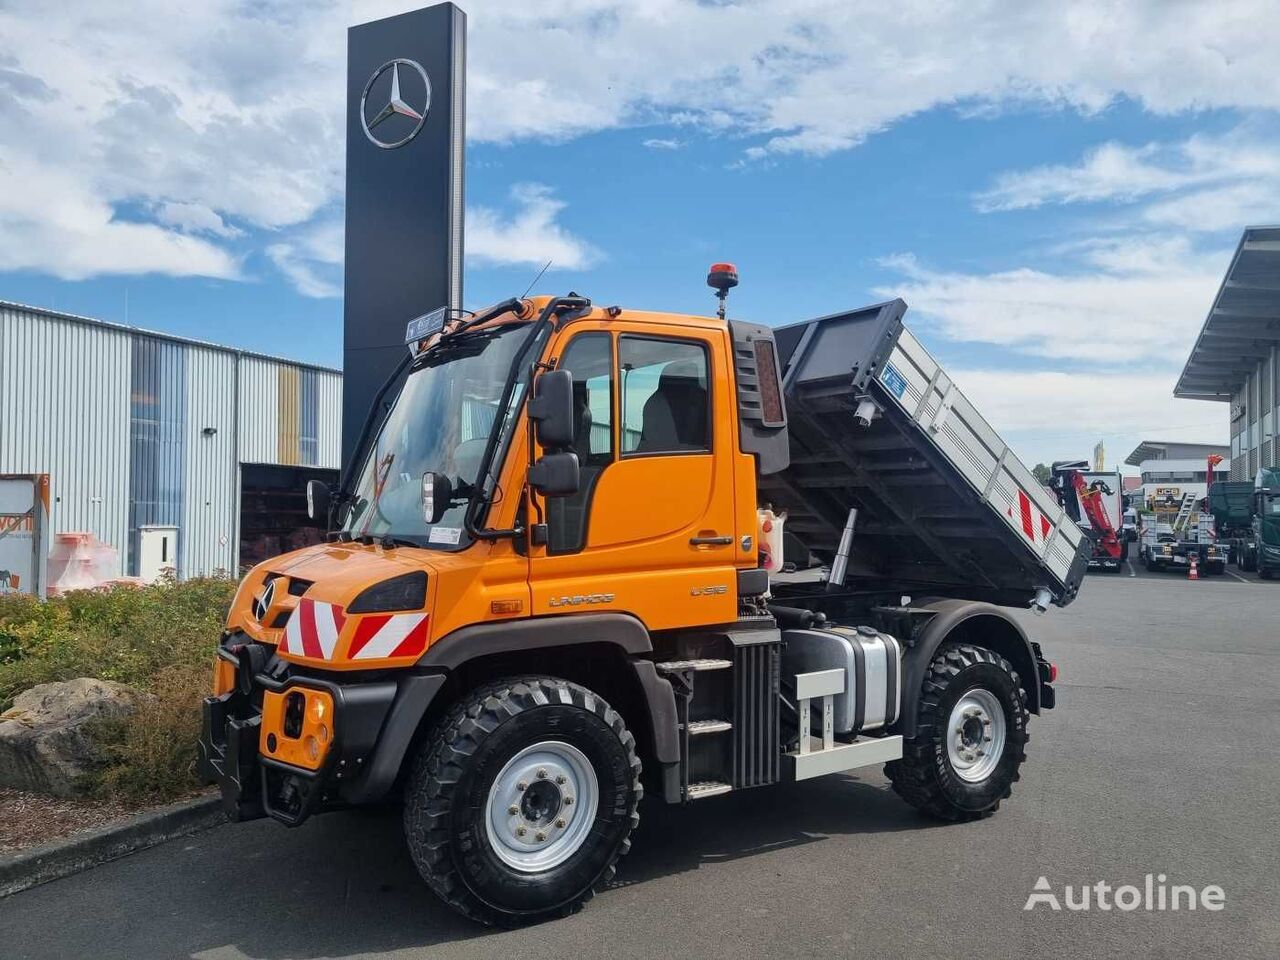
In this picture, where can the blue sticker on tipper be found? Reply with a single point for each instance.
(424, 326)
(893, 381)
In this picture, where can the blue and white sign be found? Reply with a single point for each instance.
(893, 381)
(424, 326)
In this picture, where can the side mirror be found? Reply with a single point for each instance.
(551, 409)
(318, 498)
(437, 494)
(555, 475)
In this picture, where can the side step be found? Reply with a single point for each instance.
(844, 756)
(707, 788)
(678, 666)
(699, 727)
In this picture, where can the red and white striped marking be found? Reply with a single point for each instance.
(312, 630)
(314, 626)
(1035, 525)
(389, 635)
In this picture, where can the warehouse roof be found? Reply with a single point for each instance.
(1173, 450)
(1243, 323)
(90, 321)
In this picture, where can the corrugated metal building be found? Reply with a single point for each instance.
(1236, 357)
(139, 429)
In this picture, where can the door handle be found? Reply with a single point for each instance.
(710, 541)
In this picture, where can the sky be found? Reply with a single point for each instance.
(1054, 189)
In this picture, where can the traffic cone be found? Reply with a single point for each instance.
(1192, 572)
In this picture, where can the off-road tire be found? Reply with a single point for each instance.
(924, 776)
(446, 797)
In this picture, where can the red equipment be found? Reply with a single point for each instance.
(1091, 501)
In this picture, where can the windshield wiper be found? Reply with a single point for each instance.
(497, 310)
(389, 542)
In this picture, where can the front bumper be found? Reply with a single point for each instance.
(255, 785)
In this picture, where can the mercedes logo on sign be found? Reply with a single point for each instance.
(401, 105)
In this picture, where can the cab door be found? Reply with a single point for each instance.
(651, 529)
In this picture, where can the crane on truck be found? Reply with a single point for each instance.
(1093, 500)
(543, 594)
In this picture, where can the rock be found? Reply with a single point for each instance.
(44, 744)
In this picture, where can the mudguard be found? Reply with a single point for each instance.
(983, 625)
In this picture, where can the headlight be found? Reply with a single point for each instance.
(406, 592)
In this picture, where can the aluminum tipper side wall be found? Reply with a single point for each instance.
(944, 507)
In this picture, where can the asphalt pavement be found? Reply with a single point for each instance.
(1163, 757)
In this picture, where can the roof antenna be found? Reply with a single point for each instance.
(546, 266)
(722, 277)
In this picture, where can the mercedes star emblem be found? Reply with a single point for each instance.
(395, 106)
(262, 606)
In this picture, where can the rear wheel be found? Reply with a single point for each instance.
(971, 736)
(521, 802)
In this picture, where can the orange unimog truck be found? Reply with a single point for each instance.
(586, 552)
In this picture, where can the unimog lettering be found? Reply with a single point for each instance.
(581, 599)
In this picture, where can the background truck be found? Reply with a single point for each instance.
(1170, 540)
(1231, 504)
(1264, 543)
(1094, 500)
(545, 592)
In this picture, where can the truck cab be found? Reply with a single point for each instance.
(556, 578)
(1265, 541)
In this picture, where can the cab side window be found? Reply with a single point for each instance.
(589, 357)
(666, 398)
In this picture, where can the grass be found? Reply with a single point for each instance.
(159, 639)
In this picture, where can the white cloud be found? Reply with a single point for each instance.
(1119, 173)
(195, 218)
(1048, 415)
(530, 236)
(238, 109)
(662, 143)
(54, 223)
(1129, 300)
(312, 259)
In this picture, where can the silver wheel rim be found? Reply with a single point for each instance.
(976, 735)
(542, 806)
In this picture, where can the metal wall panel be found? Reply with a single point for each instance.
(289, 439)
(64, 410)
(308, 418)
(329, 427)
(259, 418)
(211, 510)
(117, 417)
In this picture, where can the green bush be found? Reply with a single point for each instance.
(159, 638)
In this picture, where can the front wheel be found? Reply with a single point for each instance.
(971, 736)
(522, 801)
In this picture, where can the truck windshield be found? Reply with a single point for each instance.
(441, 422)
(1271, 506)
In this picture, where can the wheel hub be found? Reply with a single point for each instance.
(541, 806)
(540, 803)
(976, 735)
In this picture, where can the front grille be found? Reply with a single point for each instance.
(755, 714)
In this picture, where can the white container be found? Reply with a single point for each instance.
(769, 526)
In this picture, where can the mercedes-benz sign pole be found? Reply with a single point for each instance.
(406, 115)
